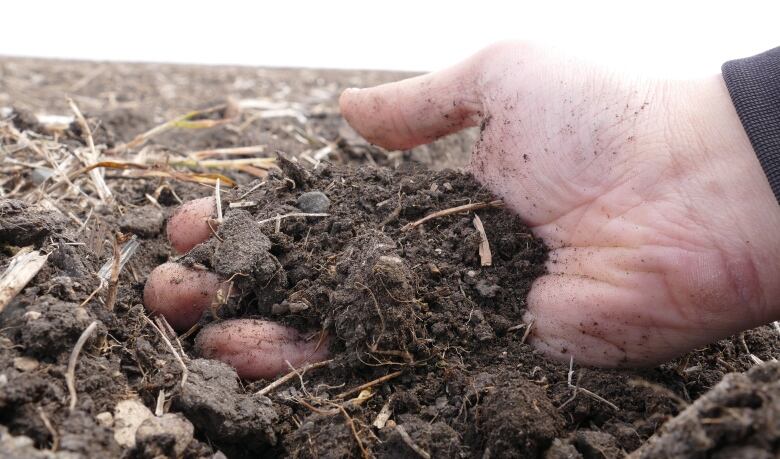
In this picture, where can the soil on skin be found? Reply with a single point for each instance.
(414, 305)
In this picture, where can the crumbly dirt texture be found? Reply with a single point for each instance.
(429, 352)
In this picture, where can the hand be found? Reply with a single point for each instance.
(663, 230)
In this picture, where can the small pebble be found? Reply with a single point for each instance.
(313, 202)
(25, 363)
(105, 419)
(32, 315)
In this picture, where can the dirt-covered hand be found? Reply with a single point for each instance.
(662, 227)
(256, 348)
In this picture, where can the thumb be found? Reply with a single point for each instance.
(417, 110)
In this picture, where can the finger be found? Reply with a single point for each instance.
(259, 349)
(417, 110)
(180, 294)
(189, 224)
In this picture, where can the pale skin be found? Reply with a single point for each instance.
(662, 226)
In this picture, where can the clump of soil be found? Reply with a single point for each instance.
(429, 352)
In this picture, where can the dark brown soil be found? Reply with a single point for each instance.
(414, 305)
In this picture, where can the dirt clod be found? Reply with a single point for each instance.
(22, 224)
(146, 221)
(213, 401)
(166, 436)
(516, 419)
(737, 418)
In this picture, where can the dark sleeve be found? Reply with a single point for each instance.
(754, 86)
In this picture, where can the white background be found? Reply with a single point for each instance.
(679, 37)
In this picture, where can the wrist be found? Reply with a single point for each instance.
(749, 214)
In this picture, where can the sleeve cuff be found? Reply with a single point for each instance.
(754, 86)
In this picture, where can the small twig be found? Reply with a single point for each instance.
(375, 382)
(291, 215)
(410, 443)
(128, 249)
(113, 283)
(300, 378)
(527, 331)
(70, 374)
(454, 210)
(251, 190)
(577, 388)
(378, 313)
(184, 371)
(267, 389)
(163, 324)
(485, 256)
(55, 436)
(92, 295)
(351, 423)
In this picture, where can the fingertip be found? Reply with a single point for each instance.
(180, 294)
(189, 226)
(417, 110)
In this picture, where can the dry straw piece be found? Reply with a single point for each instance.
(485, 256)
(23, 267)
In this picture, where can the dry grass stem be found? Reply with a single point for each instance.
(372, 383)
(454, 210)
(263, 163)
(254, 188)
(186, 121)
(159, 408)
(410, 443)
(242, 204)
(55, 436)
(203, 154)
(164, 325)
(127, 251)
(218, 201)
(23, 267)
(159, 171)
(311, 366)
(97, 178)
(527, 331)
(577, 389)
(384, 415)
(279, 218)
(184, 371)
(113, 282)
(485, 256)
(70, 374)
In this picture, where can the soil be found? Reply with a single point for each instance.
(413, 307)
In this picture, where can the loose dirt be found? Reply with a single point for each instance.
(429, 355)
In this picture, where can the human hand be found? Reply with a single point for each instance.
(662, 226)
